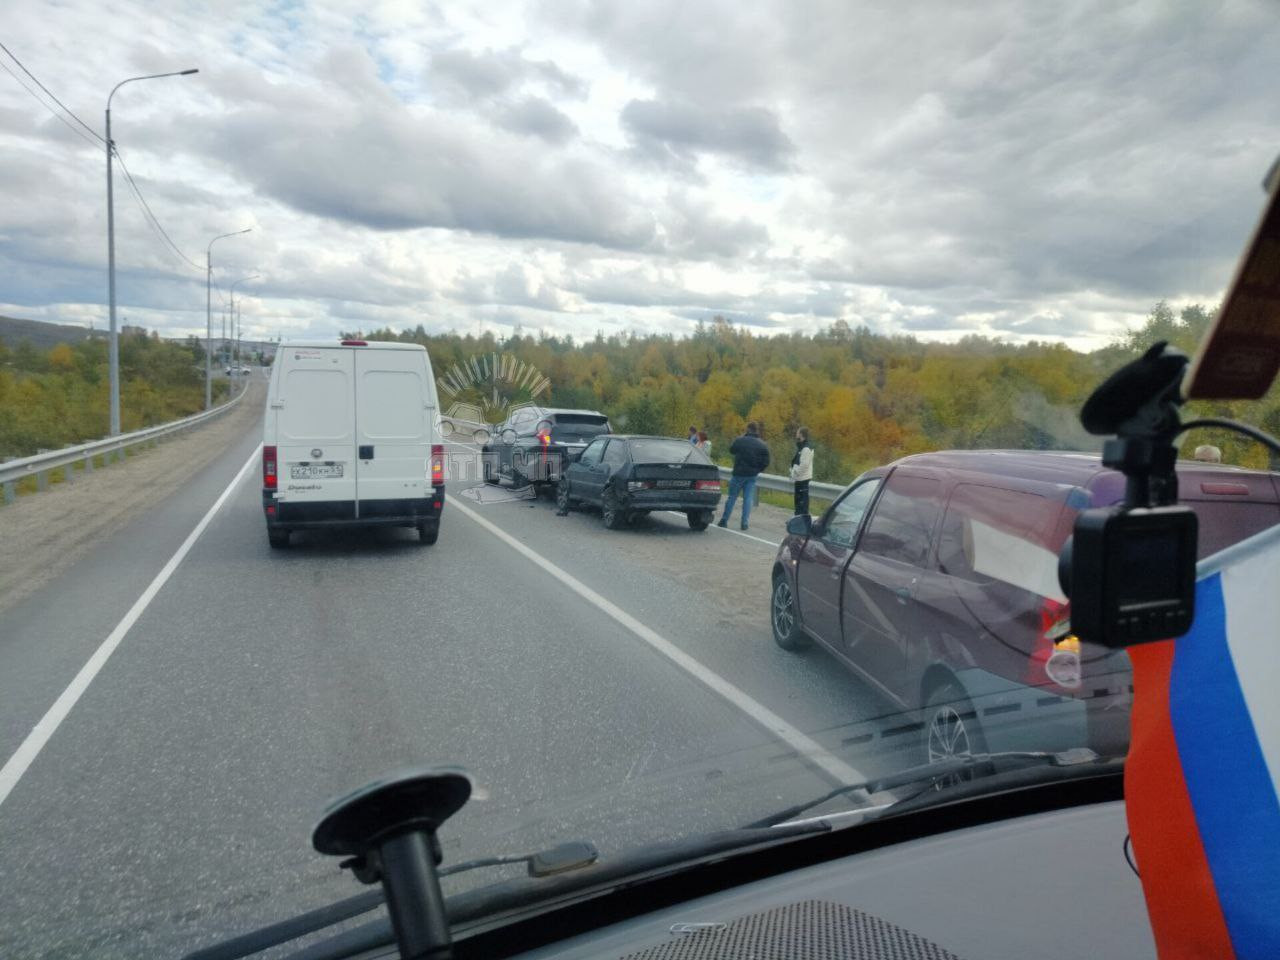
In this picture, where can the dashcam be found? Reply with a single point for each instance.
(1131, 574)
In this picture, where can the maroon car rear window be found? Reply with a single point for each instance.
(994, 534)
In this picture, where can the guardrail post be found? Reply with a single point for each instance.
(10, 492)
(42, 480)
(67, 470)
(88, 464)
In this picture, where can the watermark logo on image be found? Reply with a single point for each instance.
(481, 398)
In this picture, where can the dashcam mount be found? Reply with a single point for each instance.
(1130, 569)
(1137, 406)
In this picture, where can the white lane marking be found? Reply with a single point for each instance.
(716, 526)
(35, 741)
(832, 765)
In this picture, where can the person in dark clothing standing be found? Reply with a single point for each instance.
(750, 457)
(802, 470)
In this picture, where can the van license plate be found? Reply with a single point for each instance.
(315, 471)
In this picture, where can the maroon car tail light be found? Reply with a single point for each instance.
(1056, 656)
(269, 467)
(437, 464)
(707, 485)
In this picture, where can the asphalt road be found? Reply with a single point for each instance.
(620, 687)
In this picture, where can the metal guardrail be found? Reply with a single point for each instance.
(771, 481)
(110, 448)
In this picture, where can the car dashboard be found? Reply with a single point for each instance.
(1046, 885)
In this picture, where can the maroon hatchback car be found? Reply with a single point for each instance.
(935, 579)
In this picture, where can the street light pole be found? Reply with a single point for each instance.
(208, 315)
(229, 320)
(113, 338)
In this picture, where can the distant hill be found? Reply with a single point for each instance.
(39, 334)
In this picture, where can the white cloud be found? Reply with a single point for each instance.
(1026, 171)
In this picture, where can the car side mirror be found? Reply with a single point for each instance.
(800, 525)
(508, 436)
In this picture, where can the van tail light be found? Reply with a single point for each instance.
(355, 343)
(437, 464)
(707, 485)
(268, 467)
(1056, 655)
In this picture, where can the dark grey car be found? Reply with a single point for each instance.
(629, 476)
(535, 444)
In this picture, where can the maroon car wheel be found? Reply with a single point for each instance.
(787, 632)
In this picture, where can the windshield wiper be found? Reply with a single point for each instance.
(932, 772)
(544, 863)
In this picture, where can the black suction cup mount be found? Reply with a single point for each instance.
(388, 830)
(1138, 405)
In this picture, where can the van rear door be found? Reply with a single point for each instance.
(393, 438)
(315, 422)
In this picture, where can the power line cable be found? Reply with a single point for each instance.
(56, 115)
(50, 93)
(149, 214)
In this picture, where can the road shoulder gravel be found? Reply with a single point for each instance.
(45, 533)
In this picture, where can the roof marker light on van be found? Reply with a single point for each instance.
(1225, 489)
(355, 343)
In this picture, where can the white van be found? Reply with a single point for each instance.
(351, 437)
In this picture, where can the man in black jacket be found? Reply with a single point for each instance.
(750, 457)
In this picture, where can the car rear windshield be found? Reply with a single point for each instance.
(994, 534)
(666, 451)
(580, 424)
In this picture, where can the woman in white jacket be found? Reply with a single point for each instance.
(802, 470)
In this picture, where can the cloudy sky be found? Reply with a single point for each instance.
(1021, 169)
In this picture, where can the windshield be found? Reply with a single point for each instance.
(279, 514)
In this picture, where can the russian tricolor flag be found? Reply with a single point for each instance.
(1202, 780)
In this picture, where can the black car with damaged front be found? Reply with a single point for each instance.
(630, 476)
